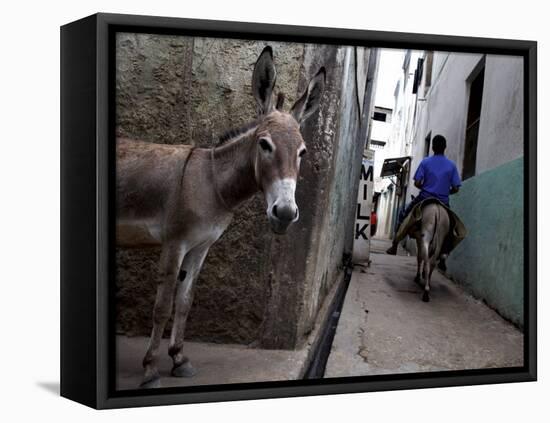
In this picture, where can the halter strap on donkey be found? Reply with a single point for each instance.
(457, 230)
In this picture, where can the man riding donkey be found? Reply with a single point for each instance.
(437, 178)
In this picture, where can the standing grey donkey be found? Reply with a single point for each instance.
(183, 198)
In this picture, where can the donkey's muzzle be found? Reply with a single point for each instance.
(282, 216)
(287, 213)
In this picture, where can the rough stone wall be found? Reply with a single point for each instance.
(334, 233)
(295, 256)
(254, 286)
(307, 263)
(152, 87)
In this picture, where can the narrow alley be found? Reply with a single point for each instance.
(385, 328)
(394, 126)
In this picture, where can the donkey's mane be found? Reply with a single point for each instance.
(235, 132)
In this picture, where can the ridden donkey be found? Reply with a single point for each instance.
(430, 236)
(182, 198)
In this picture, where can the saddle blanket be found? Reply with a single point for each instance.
(457, 230)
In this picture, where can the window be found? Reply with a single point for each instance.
(427, 144)
(377, 144)
(418, 75)
(382, 114)
(472, 124)
(429, 66)
(406, 64)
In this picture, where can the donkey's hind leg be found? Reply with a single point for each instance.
(418, 277)
(184, 299)
(428, 272)
(171, 258)
(424, 266)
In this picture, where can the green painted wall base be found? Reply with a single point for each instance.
(489, 262)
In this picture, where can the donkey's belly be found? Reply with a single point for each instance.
(137, 233)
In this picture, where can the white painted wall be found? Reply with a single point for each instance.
(445, 109)
(446, 105)
(501, 128)
(401, 130)
(380, 130)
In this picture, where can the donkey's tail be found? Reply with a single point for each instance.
(437, 217)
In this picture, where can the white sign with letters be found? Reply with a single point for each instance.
(361, 244)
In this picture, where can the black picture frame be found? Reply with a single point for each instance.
(87, 169)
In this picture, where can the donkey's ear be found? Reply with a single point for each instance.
(263, 80)
(309, 102)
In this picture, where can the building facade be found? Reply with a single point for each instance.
(399, 143)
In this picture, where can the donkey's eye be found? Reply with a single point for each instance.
(302, 153)
(266, 146)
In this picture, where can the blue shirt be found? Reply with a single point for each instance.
(437, 174)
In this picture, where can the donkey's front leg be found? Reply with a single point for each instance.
(170, 261)
(418, 277)
(184, 299)
(428, 274)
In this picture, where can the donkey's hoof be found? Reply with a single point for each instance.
(184, 370)
(151, 383)
(425, 297)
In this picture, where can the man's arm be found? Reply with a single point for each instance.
(419, 175)
(455, 182)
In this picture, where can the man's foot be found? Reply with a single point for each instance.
(392, 250)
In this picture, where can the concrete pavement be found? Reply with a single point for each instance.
(385, 328)
(223, 363)
(215, 363)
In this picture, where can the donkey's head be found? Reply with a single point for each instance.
(279, 143)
